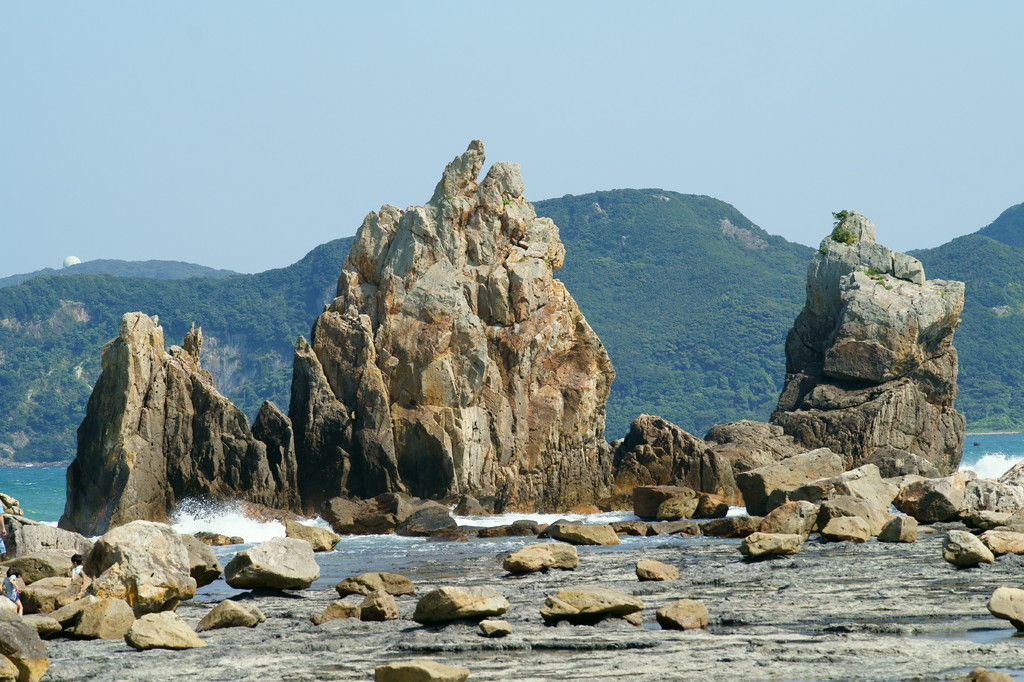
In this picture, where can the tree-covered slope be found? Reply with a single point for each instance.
(53, 327)
(151, 269)
(692, 301)
(990, 339)
(1008, 228)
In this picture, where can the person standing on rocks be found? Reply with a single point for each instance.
(3, 535)
(11, 590)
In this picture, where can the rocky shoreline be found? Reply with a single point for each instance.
(834, 611)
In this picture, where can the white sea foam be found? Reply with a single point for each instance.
(542, 519)
(227, 518)
(992, 465)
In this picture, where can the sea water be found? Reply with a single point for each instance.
(41, 491)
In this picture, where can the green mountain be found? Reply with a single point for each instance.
(153, 269)
(52, 329)
(1008, 228)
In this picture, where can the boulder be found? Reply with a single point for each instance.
(38, 565)
(44, 625)
(984, 520)
(42, 595)
(578, 534)
(749, 445)
(892, 463)
(931, 499)
(447, 604)
(649, 569)
(336, 610)
(657, 452)
(164, 630)
(203, 564)
(791, 518)
(648, 498)
(96, 618)
(368, 583)
(432, 520)
(20, 643)
(731, 526)
(864, 482)
(679, 507)
(278, 563)
(711, 506)
(681, 527)
(1014, 475)
(144, 563)
(452, 361)
(684, 614)
(542, 557)
(993, 496)
(874, 517)
(358, 517)
(764, 545)
(218, 539)
(522, 527)
(320, 539)
(791, 473)
(156, 431)
(28, 537)
(965, 550)
(1008, 603)
(870, 360)
(1002, 542)
(495, 628)
(419, 671)
(378, 606)
(469, 506)
(899, 529)
(231, 614)
(586, 606)
(632, 528)
(985, 675)
(846, 529)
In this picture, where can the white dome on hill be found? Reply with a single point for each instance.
(71, 260)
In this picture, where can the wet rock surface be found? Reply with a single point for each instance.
(834, 611)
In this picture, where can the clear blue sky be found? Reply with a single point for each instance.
(242, 134)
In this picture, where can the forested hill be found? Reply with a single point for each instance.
(53, 327)
(691, 299)
(151, 269)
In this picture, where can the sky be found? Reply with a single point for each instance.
(241, 135)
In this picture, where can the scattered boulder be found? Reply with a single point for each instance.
(27, 537)
(432, 520)
(846, 529)
(42, 595)
(278, 563)
(165, 630)
(143, 563)
(336, 610)
(218, 539)
(586, 606)
(35, 566)
(43, 624)
(649, 569)
(930, 499)
(899, 529)
(685, 614)
(495, 628)
(874, 517)
(520, 528)
(320, 539)
(870, 360)
(378, 606)
(368, 583)
(20, 643)
(985, 675)
(648, 498)
(749, 444)
(864, 482)
(984, 520)
(965, 550)
(1002, 542)
(469, 506)
(893, 462)
(419, 671)
(203, 564)
(578, 534)
(1008, 603)
(459, 603)
(96, 618)
(542, 557)
(763, 545)
(731, 526)
(791, 518)
(633, 528)
(231, 614)
(679, 507)
(711, 506)
(992, 496)
(681, 527)
(791, 473)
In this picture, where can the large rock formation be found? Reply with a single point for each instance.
(870, 360)
(452, 360)
(156, 431)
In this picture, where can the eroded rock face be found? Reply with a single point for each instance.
(870, 360)
(156, 431)
(452, 361)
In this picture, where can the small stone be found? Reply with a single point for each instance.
(649, 569)
(217, 539)
(685, 614)
(985, 675)
(541, 557)
(899, 529)
(231, 614)
(762, 545)
(578, 534)
(588, 606)
(459, 603)
(846, 529)
(495, 628)
(320, 539)
(368, 583)
(378, 606)
(336, 610)
(419, 671)
(164, 630)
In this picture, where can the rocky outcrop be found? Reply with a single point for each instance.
(156, 431)
(452, 361)
(657, 452)
(870, 360)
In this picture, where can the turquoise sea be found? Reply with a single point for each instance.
(41, 488)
